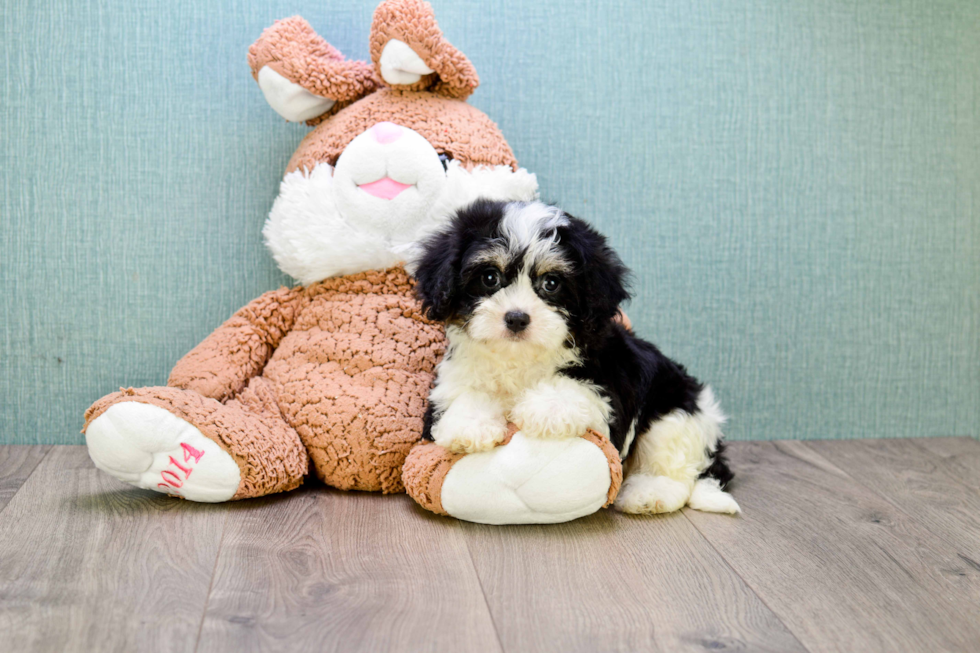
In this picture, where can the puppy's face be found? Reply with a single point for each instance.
(513, 287)
(520, 274)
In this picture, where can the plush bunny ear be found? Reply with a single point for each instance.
(410, 52)
(303, 77)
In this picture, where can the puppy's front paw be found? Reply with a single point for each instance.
(547, 421)
(560, 410)
(469, 434)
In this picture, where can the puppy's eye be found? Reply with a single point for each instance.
(444, 159)
(490, 278)
(551, 283)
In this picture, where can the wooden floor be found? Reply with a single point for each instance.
(869, 545)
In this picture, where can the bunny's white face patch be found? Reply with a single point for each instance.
(389, 189)
(387, 179)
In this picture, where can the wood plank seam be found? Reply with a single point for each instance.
(483, 591)
(612, 573)
(94, 564)
(26, 478)
(914, 511)
(214, 570)
(323, 569)
(887, 498)
(744, 580)
(801, 630)
(898, 506)
(942, 468)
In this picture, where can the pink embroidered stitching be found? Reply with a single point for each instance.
(169, 485)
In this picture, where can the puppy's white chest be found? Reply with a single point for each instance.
(506, 378)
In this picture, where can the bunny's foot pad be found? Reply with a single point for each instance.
(522, 481)
(151, 448)
(182, 443)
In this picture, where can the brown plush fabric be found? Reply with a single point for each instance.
(295, 51)
(353, 374)
(250, 428)
(223, 363)
(425, 471)
(615, 465)
(414, 23)
(452, 127)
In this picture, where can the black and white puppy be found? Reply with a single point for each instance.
(529, 295)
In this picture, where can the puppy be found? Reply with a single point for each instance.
(530, 295)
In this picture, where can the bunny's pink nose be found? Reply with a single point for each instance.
(386, 132)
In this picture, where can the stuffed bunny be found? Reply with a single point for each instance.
(332, 375)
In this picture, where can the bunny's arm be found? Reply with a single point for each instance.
(223, 363)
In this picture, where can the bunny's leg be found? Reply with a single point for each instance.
(181, 443)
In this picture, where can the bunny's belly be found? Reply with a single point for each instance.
(353, 375)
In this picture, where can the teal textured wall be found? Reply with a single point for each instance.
(795, 183)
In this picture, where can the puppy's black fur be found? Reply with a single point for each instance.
(640, 382)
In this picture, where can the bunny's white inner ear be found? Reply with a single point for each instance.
(400, 64)
(290, 100)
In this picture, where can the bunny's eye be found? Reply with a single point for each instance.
(444, 159)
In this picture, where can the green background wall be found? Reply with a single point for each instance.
(795, 183)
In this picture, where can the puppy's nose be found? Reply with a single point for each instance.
(386, 132)
(517, 321)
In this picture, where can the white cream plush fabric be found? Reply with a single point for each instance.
(528, 482)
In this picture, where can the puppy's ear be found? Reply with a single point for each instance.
(602, 276)
(437, 274)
